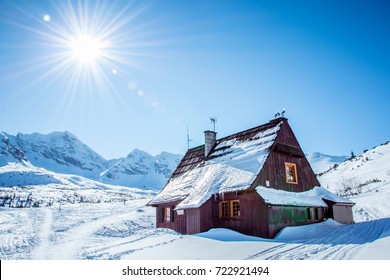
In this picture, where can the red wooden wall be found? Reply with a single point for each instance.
(274, 167)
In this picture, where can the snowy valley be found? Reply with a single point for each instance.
(64, 153)
(90, 208)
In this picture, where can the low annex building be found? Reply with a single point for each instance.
(256, 182)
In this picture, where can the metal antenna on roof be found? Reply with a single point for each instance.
(188, 139)
(278, 114)
(213, 121)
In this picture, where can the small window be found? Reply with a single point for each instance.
(291, 173)
(223, 209)
(167, 214)
(235, 208)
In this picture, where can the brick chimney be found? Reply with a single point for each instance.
(209, 140)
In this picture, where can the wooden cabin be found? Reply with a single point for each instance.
(256, 182)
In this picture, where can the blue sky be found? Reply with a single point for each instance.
(166, 65)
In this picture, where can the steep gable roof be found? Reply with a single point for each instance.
(232, 165)
(191, 160)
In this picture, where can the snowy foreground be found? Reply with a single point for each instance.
(127, 230)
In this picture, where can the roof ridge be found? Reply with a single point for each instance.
(195, 148)
(271, 123)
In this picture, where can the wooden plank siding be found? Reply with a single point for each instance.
(340, 212)
(199, 219)
(273, 170)
(253, 219)
(177, 223)
(256, 217)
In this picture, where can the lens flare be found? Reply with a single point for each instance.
(88, 41)
(46, 18)
(86, 49)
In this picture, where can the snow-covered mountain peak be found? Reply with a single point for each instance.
(10, 152)
(166, 163)
(167, 155)
(322, 162)
(141, 169)
(63, 152)
(65, 141)
(137, 154)
(60, 152)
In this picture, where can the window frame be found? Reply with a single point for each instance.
(233, 210)
(229, 209)
(223, 206)
(167, 214)
(288, 166)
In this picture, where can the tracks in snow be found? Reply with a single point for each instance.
(75, 240)
(307, 251)
(335, 243)
(118, 231)
(71, 233)
(144, 240)
(45, 231)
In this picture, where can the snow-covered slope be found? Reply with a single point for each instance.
(23, 182)
(366, 180)
(127, 231)
(321, 162)
(142, 170)
(10, 152)
(64, 153)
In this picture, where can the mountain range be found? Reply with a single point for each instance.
(64, 153)
(59, 160)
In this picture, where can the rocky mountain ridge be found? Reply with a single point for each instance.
(64, 153)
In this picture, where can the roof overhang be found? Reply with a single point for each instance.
(288, 149)
(328, 201)
(174, 201)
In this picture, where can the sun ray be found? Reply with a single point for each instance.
(79, 48)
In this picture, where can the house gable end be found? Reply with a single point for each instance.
(288, 138)
(286, 151)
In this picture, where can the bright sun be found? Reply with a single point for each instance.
(88, 41)
(86, 49)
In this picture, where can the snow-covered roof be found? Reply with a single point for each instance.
(314, 197)
(232, 165)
